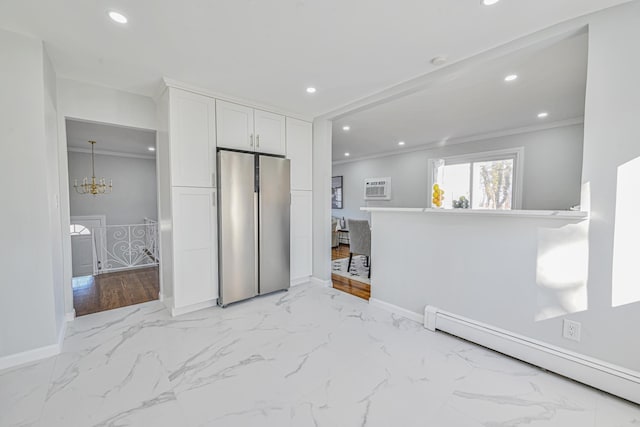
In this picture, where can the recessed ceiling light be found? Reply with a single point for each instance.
(401, 143)
(489, 2)
(347, 154)
(511, 77)
(346, 128)
(543, 115)
(151, 148)
(311, 90)
(118, 17)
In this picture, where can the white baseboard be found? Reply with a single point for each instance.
(596, 373)
(300, 280)
(320, 282)
(70, 316)
(36, 354)
(29, 356)
(178, 311)
(416, 317)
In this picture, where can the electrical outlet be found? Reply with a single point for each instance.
(571, 330)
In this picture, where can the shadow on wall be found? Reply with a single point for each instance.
(562, 270)
(626, 258)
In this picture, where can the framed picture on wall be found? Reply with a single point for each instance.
(336, 192)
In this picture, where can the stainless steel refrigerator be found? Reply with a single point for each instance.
(254, 203)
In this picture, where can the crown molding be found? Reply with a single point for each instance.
(469, 138)
(111, 153)
(538, 40)
(168, 82)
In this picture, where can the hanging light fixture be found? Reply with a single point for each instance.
(94, 187)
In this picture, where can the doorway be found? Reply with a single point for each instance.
(113, 211)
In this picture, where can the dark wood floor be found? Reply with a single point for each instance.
(350, 286)
(114, 290)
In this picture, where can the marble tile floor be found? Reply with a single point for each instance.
(312, 356)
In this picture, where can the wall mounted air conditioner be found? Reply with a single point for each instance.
(377, 188)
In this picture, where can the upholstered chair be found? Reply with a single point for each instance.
(359, 240)
(334, 232)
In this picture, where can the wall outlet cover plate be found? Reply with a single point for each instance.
(571, 330)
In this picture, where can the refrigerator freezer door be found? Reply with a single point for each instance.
(275, 208)
(237, 212)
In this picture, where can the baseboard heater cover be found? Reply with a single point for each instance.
(605, 376)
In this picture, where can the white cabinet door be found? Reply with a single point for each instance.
(234, 126)
(270, 133)
(299, 151)
(194, 245)
(301, 234)
(193, 139)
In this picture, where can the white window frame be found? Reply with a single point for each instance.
(517, 154)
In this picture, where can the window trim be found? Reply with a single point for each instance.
(516, 153)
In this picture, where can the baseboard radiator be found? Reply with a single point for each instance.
(613, 379)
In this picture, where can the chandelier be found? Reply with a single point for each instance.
(94, 187)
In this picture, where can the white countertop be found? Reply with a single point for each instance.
(518, 213)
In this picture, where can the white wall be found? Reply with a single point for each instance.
(552, 171)
(506, 272)
(134, 188)
(105, 105)
(84, 101)
(612, 138)
(322, 200)
(29, 250)
(53, 189)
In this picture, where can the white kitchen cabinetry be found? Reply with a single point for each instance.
(247, 129)
(186, 159)
(195, 247)
(192, 134)
(191, 125)
(299, 151)
(301, 236)
(270, 132)
(235, 126)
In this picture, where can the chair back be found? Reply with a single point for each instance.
(359, 236)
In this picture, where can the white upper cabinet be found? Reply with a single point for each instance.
(193, 139)
(299, 151)
(235, 126)
(270, 132)
(243, 128)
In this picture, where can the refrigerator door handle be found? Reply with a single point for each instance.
(256, 241)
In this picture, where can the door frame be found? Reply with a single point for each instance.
(65, 207)
(73, 219)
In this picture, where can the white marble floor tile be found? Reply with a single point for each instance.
(23, 391)
(312, 356)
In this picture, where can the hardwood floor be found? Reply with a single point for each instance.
(114, 290)
(350, 286)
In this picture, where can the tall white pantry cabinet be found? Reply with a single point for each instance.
(190, 128)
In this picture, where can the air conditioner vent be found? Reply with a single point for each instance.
(377, 189)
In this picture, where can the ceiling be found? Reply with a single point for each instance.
(476, 102)
(110, 139)
(270, 51)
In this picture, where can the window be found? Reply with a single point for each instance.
(79, 230)
(489, 180)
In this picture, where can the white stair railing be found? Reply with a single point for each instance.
(125, 247)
